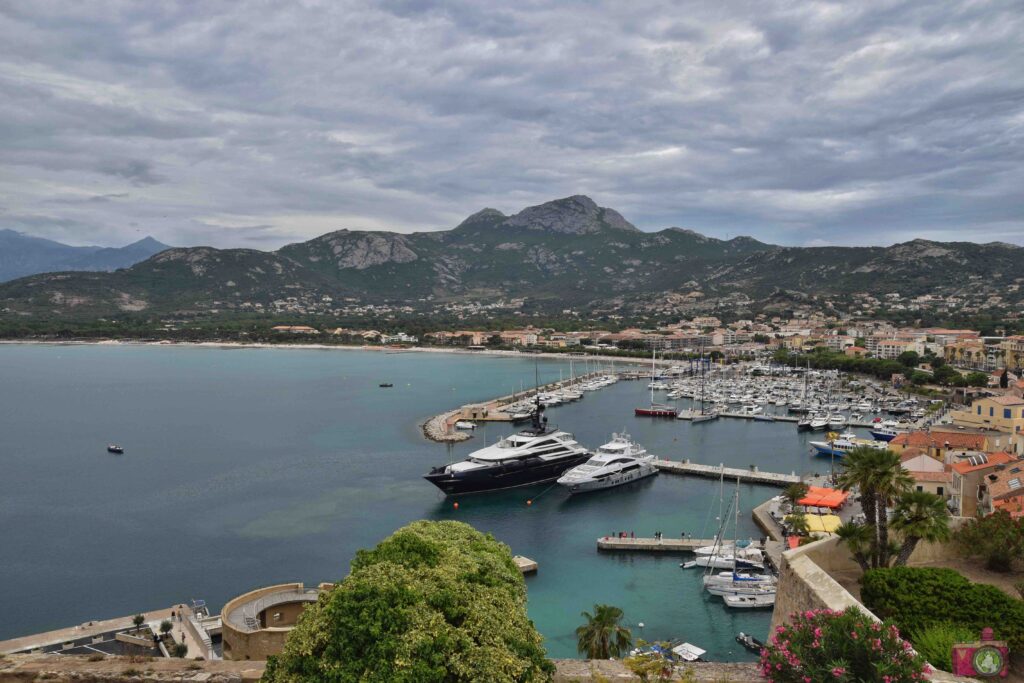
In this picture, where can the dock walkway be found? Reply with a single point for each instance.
(657, 545)
(752, 475)
(664, 545)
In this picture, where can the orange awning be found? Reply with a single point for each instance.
(824, 498)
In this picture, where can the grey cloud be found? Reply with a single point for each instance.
(136, 171)
(839, 122)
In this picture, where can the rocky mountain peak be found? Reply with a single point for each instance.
(576, 215)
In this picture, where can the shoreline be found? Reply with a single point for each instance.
(493, 353)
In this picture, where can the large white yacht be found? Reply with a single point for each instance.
(618, 462)
(536, 455)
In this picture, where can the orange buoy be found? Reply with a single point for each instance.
(529, 502)
(455, 505)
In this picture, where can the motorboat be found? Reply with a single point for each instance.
(845, 443)
(536, 455)
(803, 424)
(837, 422)
(385, 385)
(887, 431)
(819, 423)
(620, 461)
(115, 448)
(465, 424)
(749, 602)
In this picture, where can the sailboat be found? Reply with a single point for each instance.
(655, 409)
(702, 416)
(734, 582)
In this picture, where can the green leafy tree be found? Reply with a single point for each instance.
(997, 538)
(945, 375)
(166, 626)
(602, 637)
(977, 379)
(919, 516)
(856, 537)
(911, 359)
(180, 650)
(435, 601)
(138, 620)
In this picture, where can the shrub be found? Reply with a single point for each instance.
(435, 601)
(935, 643)
(916, 598)
(847, 646)
(999, 538)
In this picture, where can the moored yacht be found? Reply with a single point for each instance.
(536, 455)
(618, 462)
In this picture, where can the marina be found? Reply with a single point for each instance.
(271, 467)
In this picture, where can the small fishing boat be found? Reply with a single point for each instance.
(750, 642)
(465, 424)
(115, 448)
(385, 385)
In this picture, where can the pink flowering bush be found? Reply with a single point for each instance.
(824, 646)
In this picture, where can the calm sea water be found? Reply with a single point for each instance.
(251, 467)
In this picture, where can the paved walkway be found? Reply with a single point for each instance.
(91, 628)
(731, 473)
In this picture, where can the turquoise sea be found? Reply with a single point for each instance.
(248, 467)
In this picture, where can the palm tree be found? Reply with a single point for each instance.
(919, 515)
(880, 478)
(795, 492)
(602, 637)
(891, 482)
(859, 472)
(857, 538)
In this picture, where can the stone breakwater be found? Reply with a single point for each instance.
(439, 428)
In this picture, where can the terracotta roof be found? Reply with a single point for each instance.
(919, 439)
(1008, 400)
(1007, 483)
(993, 460)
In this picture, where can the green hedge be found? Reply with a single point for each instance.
(918, 597)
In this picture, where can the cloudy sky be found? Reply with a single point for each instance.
(260, 123)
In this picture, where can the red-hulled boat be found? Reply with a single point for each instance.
(655, 410)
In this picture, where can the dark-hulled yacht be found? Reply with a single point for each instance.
(536, 455)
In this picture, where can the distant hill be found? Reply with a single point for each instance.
(22, 255)
(565, 253)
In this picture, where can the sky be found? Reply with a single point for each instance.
(256, 124)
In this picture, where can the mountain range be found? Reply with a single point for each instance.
(22, 255)
(561, 254)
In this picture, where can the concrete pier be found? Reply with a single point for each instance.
(752, 475)
(657, 545)
(525, 564)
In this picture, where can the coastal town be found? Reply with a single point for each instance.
(964, 349)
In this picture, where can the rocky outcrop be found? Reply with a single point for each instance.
(361, 250)
(576, 215)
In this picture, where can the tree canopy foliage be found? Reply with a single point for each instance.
(435, 601)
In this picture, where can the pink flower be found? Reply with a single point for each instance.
(838, 671)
